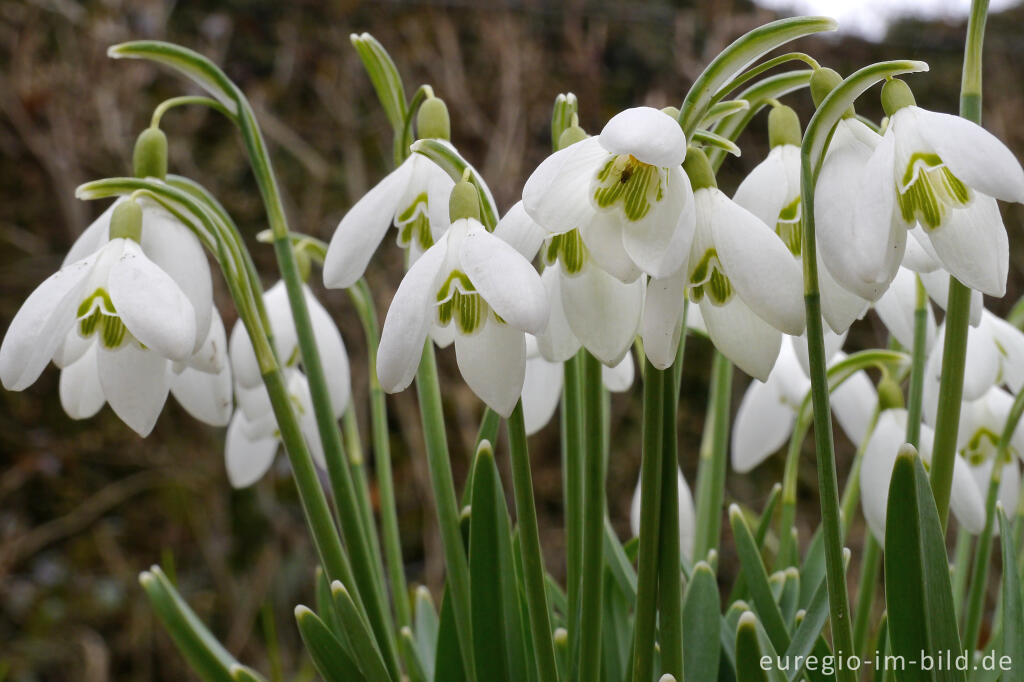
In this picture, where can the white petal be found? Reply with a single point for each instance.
(212, 356)
(333, 355)
(973, 247)
(687, 515)
(937, 285)
(135, 383)
(151, 304)
(660, 242)
(853, 405)
(896, 309)
(663, 318)
(298, 389)
(74, 347)
(981, 368)
(506, 280)
(763, 424)
(619, 379)
(442, 336)
(920, 255)
(649, 134)
(246, 459)
(974, 155)
(81, 395)
(766, 191)
(839, 306)
(518, 230)
(602, 236)
(542, 389)
(41, 324)
(748, 341)
(880, 236)
(93, 237)
(557, 343)
(244, 366)
(876, 468)
(760, 267)
(603, 313)
(965, 500)
(557, 194)
(1010, 344)
(493, 363)
(361, 230)
(408, 320)
(207, 397)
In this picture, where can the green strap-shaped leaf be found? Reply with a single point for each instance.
(1013, 604)
(409, 649)
(788, 602)
(918, 594)
(619, 566)
(242, 673)
(448, 661)
(384, 76)
(364, 647)
(701, 618)
(709, 139)
(757, 581)
(722, 110)
(329, 656)
(751, 646)
(809, 629)
(426, 627)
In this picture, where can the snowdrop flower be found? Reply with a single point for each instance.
(687, 516)
(621, 194)
(485, 290)
(747, 283)
(413, 197)
(768, 411)
(772, 193)
(542, 387)
(123, 306)
(944, 174)
(589, 307)
(876, 472)
(253, 435)
(981, 427)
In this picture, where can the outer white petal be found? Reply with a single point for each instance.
(695, 321)
(687, 515)
(207, 397)
(177, 251)
(603, 238)
(896, 308)
(876, 469)
(765, 191)
(603, 312)
(973, 154)
(751, 343)
(663, 318)
(135, 383)
(1010, 344)
(81, 395)
(152, 305)
(965, 500)
(760, 267)
(763, 423)
(333, 355)
(557, 343)
(245, 458)
(518, 230)
(651, 135)
(212, 356)
(40, 326)
(493, 363)
(298, 389)
(973, 247)
(408, 320)
(880, 236)
(853, 405)
(619, 379)
(243, 358)
(507, 281)
(542, 389)
(981, 370)
(839, 306)
(937, 285)
(920, 255)
(557, 194)
(660, 242)
(789, 376)
(73, 348)
(361, 230)
(93, 237)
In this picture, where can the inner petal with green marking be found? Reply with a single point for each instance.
(567, 248)
(413, 224)
(635, 186)
(459, 301)
(788, 227)
(708, 278)
(97, 315)
(928, 191)
(981, 446)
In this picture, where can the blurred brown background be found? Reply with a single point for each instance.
(84, 506)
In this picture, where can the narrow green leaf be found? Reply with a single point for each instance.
(414, 665)
(329, 656)
(727, 631)
(242, 673)
(701, 617)
(561, 116)
(426, 627)
(788, 602)
(757, 581)
(616, 633)
(384, 76)
(448, 660)
(445, 155)
(722, 110)
(809, 629)
(619, 566)
(714, 141)
(750, 648)
(918, 594)
(364, 647)
(1013, 604)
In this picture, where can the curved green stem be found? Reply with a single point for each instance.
(591, 605)
(184, 100)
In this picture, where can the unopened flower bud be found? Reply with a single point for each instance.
(698, 169)
(149, 159)
(126, 221)
(784, 127)
(571, 135)
(464, 202)
(432, 120)
(890, 395)
(824, 81)
(895, 95)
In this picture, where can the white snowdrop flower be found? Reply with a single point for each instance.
(982, 423)
(896, 309)
(772, 193)
(490, 296)
(687, 516)
(117, 303)
(880, 453)
(768, 410)
(622, 194)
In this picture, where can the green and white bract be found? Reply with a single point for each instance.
(486, 292)
(623, 191)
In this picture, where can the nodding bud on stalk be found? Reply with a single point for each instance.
(698, 169)
(890, 396)
(572, 134)
(895, 95)
(126, 221)
(464, 202)
(783, 127)
(149, 159)
(432, 120)
(824, 81)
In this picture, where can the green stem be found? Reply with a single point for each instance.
(651, 470)
(870, 563)
(961, 563)
(851, 492)
(670, 597)
(713, 459)
(169, 104)
(787, 514)
(440, 468)
(572, 468)
(529, 538)
(592, 524)
(915, 394)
